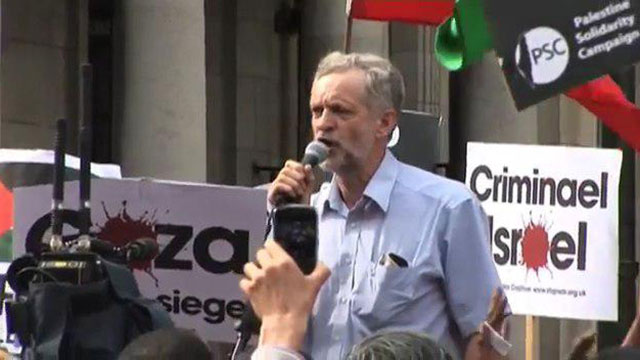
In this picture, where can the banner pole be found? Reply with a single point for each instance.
(531, 337)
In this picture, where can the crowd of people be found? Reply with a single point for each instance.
(285, 321)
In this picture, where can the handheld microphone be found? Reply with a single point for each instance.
(315, 153)
(56, 243)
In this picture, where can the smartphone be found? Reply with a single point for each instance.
(295, 228)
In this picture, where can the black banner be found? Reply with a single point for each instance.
(550, 46)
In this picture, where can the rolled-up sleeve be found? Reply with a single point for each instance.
(470, 274)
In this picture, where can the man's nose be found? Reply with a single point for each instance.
(326, 122)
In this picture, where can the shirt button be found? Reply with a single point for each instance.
(343, 300)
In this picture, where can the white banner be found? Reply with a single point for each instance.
(39, 156)
(206, 234)
(553, 215)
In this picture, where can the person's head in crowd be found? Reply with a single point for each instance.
(398, 345)
(355, 102)
(585, 347)
(167, 344)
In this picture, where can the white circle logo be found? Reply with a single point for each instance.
(542, 55)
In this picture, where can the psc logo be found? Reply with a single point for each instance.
(542, 55)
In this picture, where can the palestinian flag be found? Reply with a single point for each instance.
(425, 12)
(19, 168)
(604, 98)
(464, 37)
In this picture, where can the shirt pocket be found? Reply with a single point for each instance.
(383, 298)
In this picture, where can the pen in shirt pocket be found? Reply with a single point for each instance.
(391, 260)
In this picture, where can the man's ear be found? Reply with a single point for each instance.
(387, 123)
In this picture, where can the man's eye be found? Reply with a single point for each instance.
(317, 111)
(339, 110)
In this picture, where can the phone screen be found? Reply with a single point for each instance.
(295, 228)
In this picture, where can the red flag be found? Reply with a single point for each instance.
(426, 12)
(6, 209)
(604, 98)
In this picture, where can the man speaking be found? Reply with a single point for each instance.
(407, 249)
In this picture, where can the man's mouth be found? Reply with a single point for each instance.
(329, 143)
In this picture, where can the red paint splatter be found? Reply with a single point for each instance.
(535, 247)
(121, 229)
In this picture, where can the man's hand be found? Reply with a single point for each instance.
(497, 314)
(293, 183)
(281, 295)
(633, 335)
(479, 345)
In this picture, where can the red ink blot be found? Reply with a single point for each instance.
(535, 247)
(121, 229)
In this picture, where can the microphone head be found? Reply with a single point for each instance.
(142, 249)
(315, 153)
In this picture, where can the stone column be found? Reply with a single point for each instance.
(161, 114)
(39, 71)
(426, 82)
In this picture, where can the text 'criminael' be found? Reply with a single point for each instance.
(538, 190)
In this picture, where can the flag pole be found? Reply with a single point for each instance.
(347, 35)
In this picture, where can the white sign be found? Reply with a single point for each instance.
(206, 234)
(553, 218)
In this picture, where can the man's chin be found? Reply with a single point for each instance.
(326, 166)
(330, 165)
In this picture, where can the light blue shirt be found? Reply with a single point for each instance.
(437, 226)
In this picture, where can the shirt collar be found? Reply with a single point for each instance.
(378, 189)
(383, 180)
(334, 200)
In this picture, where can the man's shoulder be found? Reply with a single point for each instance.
(435, 187)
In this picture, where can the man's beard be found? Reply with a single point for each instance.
(344, 164)
(323, 166)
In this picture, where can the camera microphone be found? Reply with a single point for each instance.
(57, 202)
(85, 156)
(142, 249)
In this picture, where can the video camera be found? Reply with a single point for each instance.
(75, 297)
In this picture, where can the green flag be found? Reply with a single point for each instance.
(464, 37)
